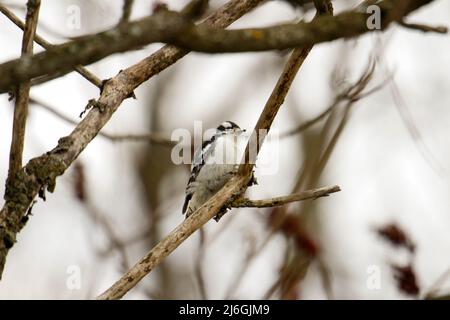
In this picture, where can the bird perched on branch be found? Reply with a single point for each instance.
(214, 163)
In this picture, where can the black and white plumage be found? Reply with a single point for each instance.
(214, 163)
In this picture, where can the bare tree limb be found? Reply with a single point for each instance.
(308, 124)
(223, 198)
(153, 138)
(23, 91)
(47, 45)
(40, 173)
(279, 201)
(192, 10)
(408, 119)
(174, 28)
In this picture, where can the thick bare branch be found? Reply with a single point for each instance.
(174, 28)
(47, 45)
(40, 173)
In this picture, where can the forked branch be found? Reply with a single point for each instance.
(223, 198)
(174, 28)
(40, 173)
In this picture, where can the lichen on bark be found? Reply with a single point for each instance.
(39, 174)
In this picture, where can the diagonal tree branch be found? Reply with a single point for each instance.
(23, 91)
(224, 197)
(171, 27)
(206, 212)
(40, 173)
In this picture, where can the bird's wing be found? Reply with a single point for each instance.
(200, 155)
(186, 202)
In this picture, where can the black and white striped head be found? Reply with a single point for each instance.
(228, 126)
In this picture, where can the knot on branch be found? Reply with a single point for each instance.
(7, 238)
(45, 169)
(39, 174)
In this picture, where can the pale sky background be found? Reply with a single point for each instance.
(383, 175)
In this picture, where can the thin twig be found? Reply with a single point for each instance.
(23, 91)
(154, 138)
(408, 120)
(279, 201)
(424, 27)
